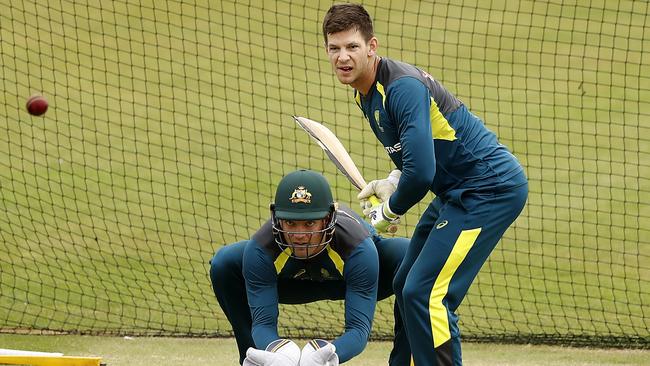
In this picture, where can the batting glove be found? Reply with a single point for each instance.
(319, 353)
(382, 218)
(282, 352)
(382, 188)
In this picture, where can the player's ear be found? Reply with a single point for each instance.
(373, 43)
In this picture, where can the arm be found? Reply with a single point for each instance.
(409, 104)
(361, 276)
(262, 292)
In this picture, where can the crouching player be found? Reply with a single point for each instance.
(311, 249)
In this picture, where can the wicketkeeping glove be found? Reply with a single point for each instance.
(382, 218)
(382, 188)
(282, 352)
(319, 353)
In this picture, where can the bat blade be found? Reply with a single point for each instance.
(338, 155)
(333, 148)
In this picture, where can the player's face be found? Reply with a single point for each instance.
(352, 58)
(305, 236)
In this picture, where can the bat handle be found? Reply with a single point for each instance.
(374, 201)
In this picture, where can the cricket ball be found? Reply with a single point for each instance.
(37, 105)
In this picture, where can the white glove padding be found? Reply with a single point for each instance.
(382, 218)
(319, 352)
(382, 188)
(281, 352)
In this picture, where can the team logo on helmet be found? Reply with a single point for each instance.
(300, 195)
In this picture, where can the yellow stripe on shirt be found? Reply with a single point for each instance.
(281, 260)
(440, 127)
(380, 89)
(336, 259)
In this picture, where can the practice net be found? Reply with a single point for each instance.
(170, 124)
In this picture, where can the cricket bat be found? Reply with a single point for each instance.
(336, 152)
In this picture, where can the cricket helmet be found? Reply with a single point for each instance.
(303, 195)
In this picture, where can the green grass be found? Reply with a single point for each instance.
(170, 123)
(136, 351)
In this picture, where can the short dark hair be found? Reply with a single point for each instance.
(342, 17)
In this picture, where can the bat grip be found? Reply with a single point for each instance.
(374, 201)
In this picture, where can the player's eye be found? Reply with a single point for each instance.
(310, 223)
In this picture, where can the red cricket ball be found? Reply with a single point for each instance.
(37, 105)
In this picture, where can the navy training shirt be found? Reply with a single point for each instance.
(432, 138)
(349, 264)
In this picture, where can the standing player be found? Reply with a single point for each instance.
(439, 147)
(309, 250)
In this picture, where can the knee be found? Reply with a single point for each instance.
(398, 284)
(413, 293)
(218, 262)
(391, 254)
(227, 263)
(408, 294)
